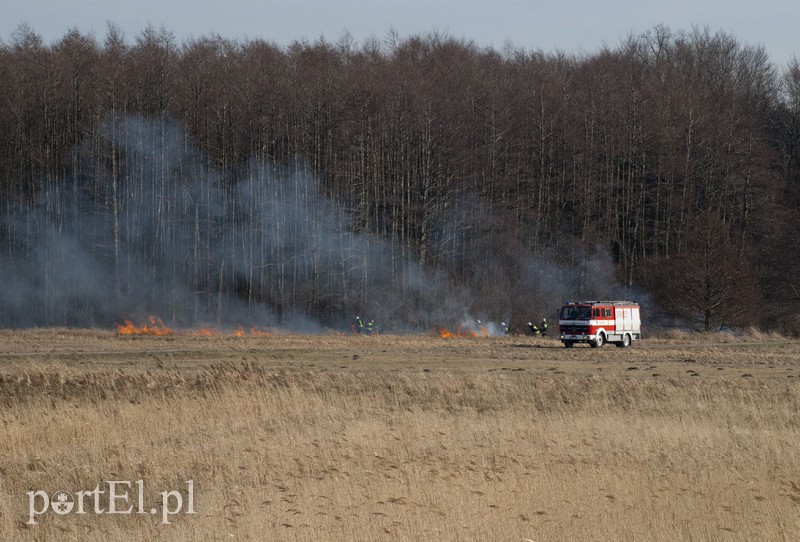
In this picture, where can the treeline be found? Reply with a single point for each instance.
(507, 177)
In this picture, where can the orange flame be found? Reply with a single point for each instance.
(445, 333)
(155, 327)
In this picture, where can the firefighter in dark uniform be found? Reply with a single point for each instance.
(534, 330)
(543, 327)
(358, 325)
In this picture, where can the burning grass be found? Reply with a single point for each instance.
(469, 330)
(407, 438)
(156, 327)
(445, 333)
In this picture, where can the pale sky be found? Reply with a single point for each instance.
(572, 26)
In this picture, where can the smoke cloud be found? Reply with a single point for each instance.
(144, 226)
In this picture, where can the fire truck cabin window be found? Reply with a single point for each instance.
(576, 313)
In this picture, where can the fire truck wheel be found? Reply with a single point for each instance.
(626, 341)
(598, 342)
(569, 344)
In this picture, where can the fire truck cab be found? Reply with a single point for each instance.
(599, 322)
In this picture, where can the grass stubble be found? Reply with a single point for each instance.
(405, 437)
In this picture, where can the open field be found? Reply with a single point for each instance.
(329, 437)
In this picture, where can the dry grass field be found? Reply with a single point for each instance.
(329, 437)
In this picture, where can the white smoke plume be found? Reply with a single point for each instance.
(143, 225)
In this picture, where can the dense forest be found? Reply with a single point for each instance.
(410, 180)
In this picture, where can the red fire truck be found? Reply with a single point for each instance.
(599, 322)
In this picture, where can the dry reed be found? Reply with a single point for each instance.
(310, 445)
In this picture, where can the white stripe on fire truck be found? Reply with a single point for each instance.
(587, 322)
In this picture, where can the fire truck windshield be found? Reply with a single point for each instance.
(576, 313)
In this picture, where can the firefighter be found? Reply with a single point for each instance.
(358, 326)
(543, 326)
(533, 328)
(370, 327)
(504, 328)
